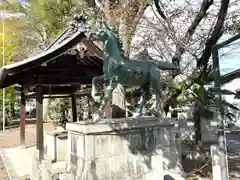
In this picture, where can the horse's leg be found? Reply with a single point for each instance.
(143, 99)
(95, 81)
(155, 107)
(107, 96)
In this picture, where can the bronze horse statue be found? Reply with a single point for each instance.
(118, 68)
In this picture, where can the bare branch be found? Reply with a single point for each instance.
(216, 34)
(180, 49)
(159, 10)
(99, 4)
(130, 19)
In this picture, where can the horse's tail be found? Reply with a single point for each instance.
(164, 65)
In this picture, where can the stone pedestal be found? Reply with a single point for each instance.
(216, 165)
(61, 147)
(50, 145)
(141, 148)
(55, 145)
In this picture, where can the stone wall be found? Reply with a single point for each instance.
(142, 148)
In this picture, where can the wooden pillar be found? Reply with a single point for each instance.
(22, 117)
(74, 108)
(88, 103)
(39, 121)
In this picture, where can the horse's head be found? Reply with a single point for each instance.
(102, 33)
(109, 35)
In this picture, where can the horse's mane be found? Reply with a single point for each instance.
(115, 34)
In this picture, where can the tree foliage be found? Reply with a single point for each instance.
(44, 20)
(31, 33)
(11, 49)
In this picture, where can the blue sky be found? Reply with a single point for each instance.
(230, 61)
(23, 1)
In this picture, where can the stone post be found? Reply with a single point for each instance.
(35, 166)
(157, 164)
(46, 169)
(216, 166)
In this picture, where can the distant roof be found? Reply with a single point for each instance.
(237, 90)
(10, 74)
(231, 76)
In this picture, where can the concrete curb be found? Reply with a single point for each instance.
(4, 162)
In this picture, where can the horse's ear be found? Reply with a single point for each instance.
(104, 25)
(98, 24)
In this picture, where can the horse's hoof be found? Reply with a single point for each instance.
(136, 115)
(156, 113)
(97, 99)
(96, 117)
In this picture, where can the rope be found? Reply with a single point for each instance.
(199, 169)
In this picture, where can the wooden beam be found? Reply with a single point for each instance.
(65, 80)
(57, 96)
(73, 68)
(92, 48)
(57, 90)
(60, 85)
(22, 118)
(33, 96)
(228, 41)
(39, 121)
(74, 108)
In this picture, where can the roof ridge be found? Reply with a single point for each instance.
(77, 25)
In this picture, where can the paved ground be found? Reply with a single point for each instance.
(3, 171)
(10, 139)
(18, 161)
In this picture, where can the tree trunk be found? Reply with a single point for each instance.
(13, 114)
(197, 123)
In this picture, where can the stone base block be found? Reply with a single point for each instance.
(55, 146)
(129, 148)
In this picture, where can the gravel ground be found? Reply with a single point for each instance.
(11, 138)
(3, 172)
(205, 173)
